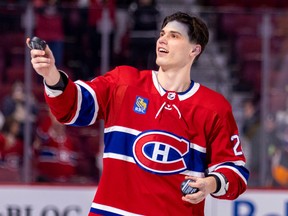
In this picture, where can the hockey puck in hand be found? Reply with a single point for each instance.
(187, 189)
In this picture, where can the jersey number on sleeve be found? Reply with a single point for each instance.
(237, 148)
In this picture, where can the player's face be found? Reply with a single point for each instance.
(173, 47)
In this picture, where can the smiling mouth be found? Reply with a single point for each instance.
(162, 50)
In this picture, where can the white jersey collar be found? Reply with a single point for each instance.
(183, 95)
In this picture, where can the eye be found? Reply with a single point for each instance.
(161, 34)
(174, 36)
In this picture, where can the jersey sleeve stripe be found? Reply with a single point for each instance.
(87, 106)
(79, 96)
(241, 171)
(236, 163)
(192, 173)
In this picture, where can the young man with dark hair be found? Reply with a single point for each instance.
(161, 128)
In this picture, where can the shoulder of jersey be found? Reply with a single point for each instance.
(131, 73)
(212, 98)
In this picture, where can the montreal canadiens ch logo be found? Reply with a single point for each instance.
(161, 152)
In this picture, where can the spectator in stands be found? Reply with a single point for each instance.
(250, 133)
(121, 30)
(274, 147)
(279, 154)
(14, 105)
(11, 151)
(96, 11)
(48, 17)
(280, 168)
(144, 32)
(75, 15)
(55, 152)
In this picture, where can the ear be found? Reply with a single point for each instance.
(196, 50)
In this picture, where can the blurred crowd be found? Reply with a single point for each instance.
(74, 31)
(58, 153)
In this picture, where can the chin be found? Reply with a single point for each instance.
(157, 63)
(160, 62)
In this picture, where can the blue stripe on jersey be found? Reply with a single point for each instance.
(244, 172)
(100, 209)
(87, 109)
(241, 169)
(197, 161)
(103, 212)
(121, 143)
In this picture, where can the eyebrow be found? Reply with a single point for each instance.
(173, 32)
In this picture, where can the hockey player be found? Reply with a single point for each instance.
(161, 127)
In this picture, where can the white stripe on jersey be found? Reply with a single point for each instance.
(52, 93)
(119, 157)
(237, 163)
(234, 169)
(112, 209)
(92, 92)
(198, 147)
(122, 129)
(79, 102)
(193, 173)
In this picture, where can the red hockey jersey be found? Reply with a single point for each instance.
(153, 138)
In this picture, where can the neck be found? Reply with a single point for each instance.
(178, 81)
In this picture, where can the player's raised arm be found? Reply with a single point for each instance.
(43, 61)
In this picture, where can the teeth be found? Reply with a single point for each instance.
(163, 50)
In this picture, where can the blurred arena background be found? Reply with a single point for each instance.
(50, 169)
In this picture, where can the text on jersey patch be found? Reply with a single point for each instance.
(140, 105)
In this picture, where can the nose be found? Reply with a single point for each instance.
(162, 40)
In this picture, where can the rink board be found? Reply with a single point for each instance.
(19, 200)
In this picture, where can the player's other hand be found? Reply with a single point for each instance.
(43, 63)
(205, 186)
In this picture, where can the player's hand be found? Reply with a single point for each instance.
(205, 186)
(43, 63)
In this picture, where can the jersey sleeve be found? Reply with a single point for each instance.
(83, 102)
(226, 155)
(63, 105)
